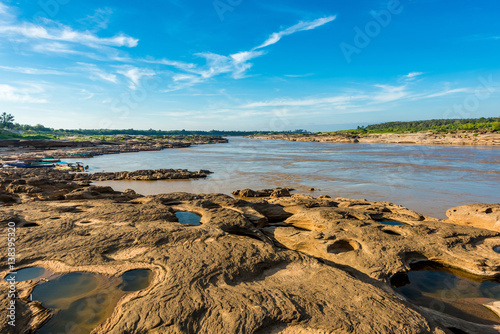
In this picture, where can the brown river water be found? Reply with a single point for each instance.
(427, 179)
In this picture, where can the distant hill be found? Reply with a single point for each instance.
(437, 125)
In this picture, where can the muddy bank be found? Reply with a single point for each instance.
(427, 138)
(21, 148)
(289, 263)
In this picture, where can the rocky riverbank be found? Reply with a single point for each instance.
(283, 263)
(427, 138)
(23, 148)
(48, 183)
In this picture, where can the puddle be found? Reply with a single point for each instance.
(449, 291)
(497, 249)
(135, 280)
(82, 301)
(188, 218)
(391, 222)
(28, 274)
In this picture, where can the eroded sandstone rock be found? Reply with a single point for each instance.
(322, 267)
(479, 215)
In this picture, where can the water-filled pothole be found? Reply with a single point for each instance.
(30, 225)
(391, 223)
(27, 274)
(135, 280)
(497, 249)
(449, 291)
(81, 301)
(342, 246)
(188, 218)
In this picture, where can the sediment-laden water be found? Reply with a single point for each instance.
(428, 179)
(81, 300)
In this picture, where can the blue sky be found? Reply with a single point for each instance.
(247, 64)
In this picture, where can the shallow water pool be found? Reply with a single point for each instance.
(449, 291)
(188, 218)
(27, 274)
(81, 301)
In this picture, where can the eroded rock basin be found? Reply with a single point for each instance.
(81, 300)
(451, 291)
(188, 218)
(27, 274)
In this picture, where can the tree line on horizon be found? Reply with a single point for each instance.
(40, 131)
(437, 125)
(16, 130)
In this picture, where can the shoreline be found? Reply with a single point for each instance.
(422, 138)
(31, 148)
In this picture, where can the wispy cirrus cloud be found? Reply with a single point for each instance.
(48, 36)
(366, 99)
(96, 73)
(135, 74)
(63, 33)
(412, 76)
(332, 101)
(301, 26)
(9, 93)
(236, 64)
(447, 92)
(33, 71)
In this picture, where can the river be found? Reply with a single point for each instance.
(427, 179)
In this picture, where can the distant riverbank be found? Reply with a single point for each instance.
(419, 138)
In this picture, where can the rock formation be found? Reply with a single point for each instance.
(422, 138)
(282, 264)
(480, 215)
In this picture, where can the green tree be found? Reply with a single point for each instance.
(7, 120)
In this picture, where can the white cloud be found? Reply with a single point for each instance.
(96, 73)
(301, 26)
(447, 92)
(412, 75)
(135, 74)
(10, 93)
(33, 71)
(236, 64)
(332, 101)
(65, 34)
(390, 93)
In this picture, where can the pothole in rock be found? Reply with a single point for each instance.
(26, 274)
(81, 300)
(391, 232)
(188, 218)
(390, 222)
(29, 225)
(451, 291)
(342, 246)
(496, 249)
(243, 234)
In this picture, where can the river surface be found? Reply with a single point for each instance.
(427, 179)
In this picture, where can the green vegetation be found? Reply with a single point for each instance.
(437, 125)
(16, 130)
